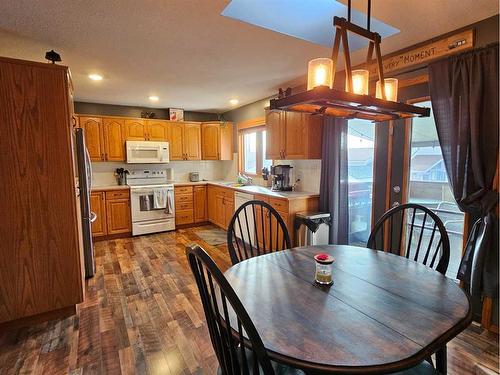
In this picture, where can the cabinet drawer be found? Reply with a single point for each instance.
(184, 217)
(279, 204)
(183, 198)
(228, 193)
(117, 194)
(183, 190)
(184, 206)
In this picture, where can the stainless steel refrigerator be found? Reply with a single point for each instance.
(85, 186)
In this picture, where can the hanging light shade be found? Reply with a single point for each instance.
(390, 88)
(319, 73)
(360, 80)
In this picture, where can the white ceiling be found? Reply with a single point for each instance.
(186, 53)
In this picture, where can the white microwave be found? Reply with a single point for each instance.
(147, 152)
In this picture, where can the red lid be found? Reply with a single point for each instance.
(324, 258)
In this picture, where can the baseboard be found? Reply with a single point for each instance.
(39, 318)
(191, 225)
(112, 236)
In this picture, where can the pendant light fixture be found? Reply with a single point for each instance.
(355, 101)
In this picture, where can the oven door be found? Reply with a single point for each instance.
(143, 208)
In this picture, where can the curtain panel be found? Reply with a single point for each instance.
(333, 194)
(464, 95)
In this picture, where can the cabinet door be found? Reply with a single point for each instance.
(176, 141)
(212, 204)
(200, 204)
(226, 141)
(113, 139)
(157, 130)
(228, 211)
(276, 240)
(219, 210)
(192, 141)
(93, 137)
(135, 130)
(295, 139)
(98, 206)
(118, 216)
(274, 135)
(210, 135)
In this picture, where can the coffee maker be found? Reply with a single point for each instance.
(281, 177)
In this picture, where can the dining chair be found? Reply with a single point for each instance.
(256, 228)
(240, 350)
(419, 219)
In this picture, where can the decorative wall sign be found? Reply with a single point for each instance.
(425, 54)
(176, 114)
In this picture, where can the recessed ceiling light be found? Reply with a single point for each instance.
(154, 98)
(95, 77)
(233, 101)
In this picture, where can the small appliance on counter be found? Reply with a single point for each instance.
(194, 176)
(281, 178)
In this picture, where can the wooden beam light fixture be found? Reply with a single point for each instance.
(354, 102)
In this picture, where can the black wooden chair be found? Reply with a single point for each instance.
(240, 350)
(256, 228)
(420, 219)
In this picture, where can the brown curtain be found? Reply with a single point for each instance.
(464, 95)
(333, 193)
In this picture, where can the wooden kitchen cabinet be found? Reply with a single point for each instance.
(93, 136)
(135, 130)
(98, 206)
(220, 205)
(112, 208)
(114, 146)
(185, 141)
(217, 141)
(157, 130)
(176, 145)
(293, 135)
(118, 215)
(104, 137)
(200, 204)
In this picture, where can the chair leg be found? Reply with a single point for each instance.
(441, 361)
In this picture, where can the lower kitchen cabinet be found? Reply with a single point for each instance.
(113, 212)
(200, 204)
(190, 204)
(220, 205)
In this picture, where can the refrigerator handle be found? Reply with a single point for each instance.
(89, 164)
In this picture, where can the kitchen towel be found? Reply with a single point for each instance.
(160, 198)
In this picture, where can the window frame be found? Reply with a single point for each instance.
(255, 125)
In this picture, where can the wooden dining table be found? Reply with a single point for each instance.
(383, 313)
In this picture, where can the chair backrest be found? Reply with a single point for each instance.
(221, 306)
(256, 228)
(425, 231)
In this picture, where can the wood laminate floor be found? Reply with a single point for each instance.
(142, 315)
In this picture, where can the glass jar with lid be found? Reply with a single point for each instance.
(324, 269)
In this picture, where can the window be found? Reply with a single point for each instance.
(253, 157)
(428, 186)
(360, 150)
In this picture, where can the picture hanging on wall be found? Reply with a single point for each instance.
(176, 114)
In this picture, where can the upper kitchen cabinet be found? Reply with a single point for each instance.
(157, 130)
(113, 129)
(185, 141)
(217, 141)
(93, 137)
(135, 130)
(104, 137)
(293, 135)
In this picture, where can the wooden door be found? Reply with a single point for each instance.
(274, 135)
(226, 141)
(295, 140)
(200, 204)
(93, 137)
(98, 206)
(176, 141)
(157, 130)
(113, 139)
(135, 130)
(210, 135)
(212, 204)
(118, 216)
(192, 141)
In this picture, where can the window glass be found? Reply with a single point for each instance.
(250, 152)
(265, 162)
(361, 149)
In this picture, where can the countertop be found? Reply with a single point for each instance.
(251, 189)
